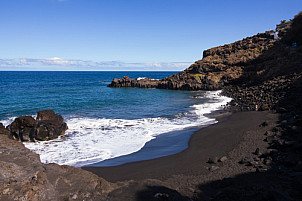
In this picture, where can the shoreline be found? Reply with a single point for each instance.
(216, 140)
(167, 144)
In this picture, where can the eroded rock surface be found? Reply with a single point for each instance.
(24, 177)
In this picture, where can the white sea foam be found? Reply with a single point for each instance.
(91, 140)
(8, 121)
(141, 78)
(215, 103)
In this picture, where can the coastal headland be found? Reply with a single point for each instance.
(254, 154)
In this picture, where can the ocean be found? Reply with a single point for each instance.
(106, 123)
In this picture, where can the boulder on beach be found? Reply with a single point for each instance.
(49, 115)
(47, 126)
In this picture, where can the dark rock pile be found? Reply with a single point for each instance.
(264, 96)
(46, 126)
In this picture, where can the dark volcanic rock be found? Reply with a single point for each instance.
(246, 160)
(212, 160)
(47, 130)
(257, 152)
(139, 83)
(145, 83)
(23, 128)
(124, 82)
(47, 126)
(3, 130)
(49, 115)
(24, 177)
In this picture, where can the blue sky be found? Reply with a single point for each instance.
(127, 34)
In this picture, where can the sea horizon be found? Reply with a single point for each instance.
(88, 71)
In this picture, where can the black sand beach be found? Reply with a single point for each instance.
(214, 141)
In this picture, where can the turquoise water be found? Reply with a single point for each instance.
(103, 122)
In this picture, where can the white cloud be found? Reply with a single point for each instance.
(23, 61)
(57, 61)
(73, 64)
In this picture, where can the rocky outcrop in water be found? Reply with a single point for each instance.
(47, 126)
(139, 83)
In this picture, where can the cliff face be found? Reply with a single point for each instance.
(219, 66)
(273, 80)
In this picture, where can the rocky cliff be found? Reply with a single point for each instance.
(219, 66)
(273, 79)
